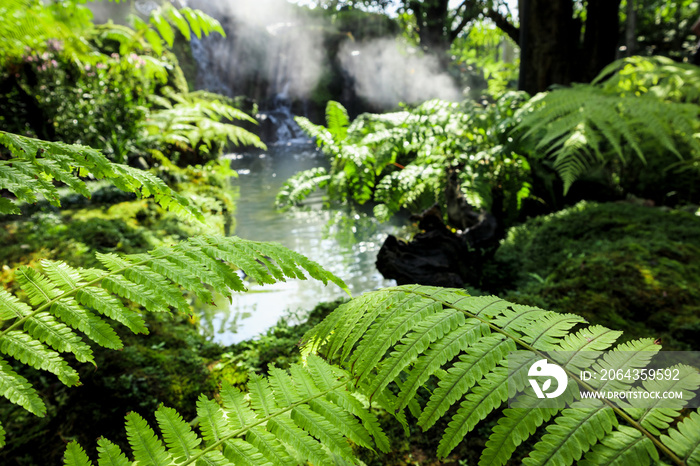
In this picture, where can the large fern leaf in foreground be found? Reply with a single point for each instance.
(441, 352)
(35, 164)
(66, 306)
(284, 419)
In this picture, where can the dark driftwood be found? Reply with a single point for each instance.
(437, 256)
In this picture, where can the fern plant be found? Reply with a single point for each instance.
(194, 119)
(644, 107)
(399, 160)
(282, 419)
(395, 341)
(67, 304)
(33, 165)
(430, 351)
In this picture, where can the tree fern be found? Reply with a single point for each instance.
(283, 419)
(36, 163)
(394, 342)
(67, 306)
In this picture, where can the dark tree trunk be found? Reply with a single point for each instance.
(548, 39)
(601, 37)
(433, 28)
(631, 28)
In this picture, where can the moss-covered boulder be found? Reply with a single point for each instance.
(626, 266)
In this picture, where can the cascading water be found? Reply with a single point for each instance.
(207, 78)
(270, 55)
(278, 125)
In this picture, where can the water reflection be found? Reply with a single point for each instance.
(345, 243)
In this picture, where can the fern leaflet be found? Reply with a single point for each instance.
(36, 163)
(287, 419)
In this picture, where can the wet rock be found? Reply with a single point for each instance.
(437, 256)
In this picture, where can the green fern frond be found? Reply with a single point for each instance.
(285, 419)
(395, 341)
(337, 121)
(148, 448)
(300, 186)
(584, 125)
(158, 31)
(76, 455)
(110, 454)
(36, 163)
(622, 447)
(18, 390)
(323, 136)
(574, 431)
(63, 300)
(195, 120)
(684, 439)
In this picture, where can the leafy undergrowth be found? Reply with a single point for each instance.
(625, 266)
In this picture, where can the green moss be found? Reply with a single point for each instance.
(625, 266)
(542, 243)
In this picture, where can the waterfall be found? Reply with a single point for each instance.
(281, 124)
(270, 54)
(207, 76)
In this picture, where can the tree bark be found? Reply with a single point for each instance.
(548, 39)
(433, 28)
(631, 28)
(601, 37)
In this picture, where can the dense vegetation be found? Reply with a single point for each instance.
(117, 215)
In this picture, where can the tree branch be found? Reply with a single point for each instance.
(504, 25)
(470, 13)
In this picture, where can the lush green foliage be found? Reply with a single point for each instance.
(662, 27)
(400, 160)
(278, 422)
(433, 351)
(479, 54)
(636, 107)
(119, 89)
(393, 341)
(61, 300)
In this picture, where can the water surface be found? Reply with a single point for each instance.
(347, 252)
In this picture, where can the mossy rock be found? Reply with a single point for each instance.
(541, 244)
(625, 266)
